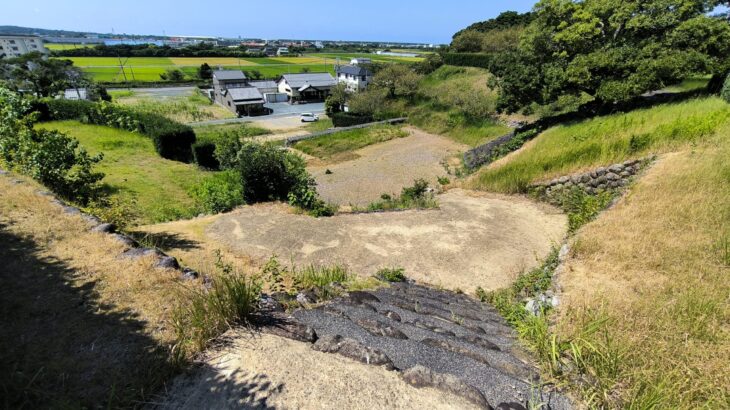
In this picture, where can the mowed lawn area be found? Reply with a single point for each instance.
(135, 172)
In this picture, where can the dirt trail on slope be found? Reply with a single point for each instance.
(384, 168)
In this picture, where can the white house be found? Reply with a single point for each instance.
(282, 51)
(307, 86)
(355, 78)
(12, 45)
(361, 61)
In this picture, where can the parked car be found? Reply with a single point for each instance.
(308, 117)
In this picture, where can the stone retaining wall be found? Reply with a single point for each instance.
(594, 182)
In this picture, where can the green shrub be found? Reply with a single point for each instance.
(204, 155)
(725, 93)
(219, 193)
(344, 119)
(468, 59)
(391, 274)
(320, 277)
(269, 173)
(52, 158)
(416, 196)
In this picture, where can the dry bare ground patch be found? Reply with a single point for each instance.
(384, 168)
(264, 371)
(473, 239)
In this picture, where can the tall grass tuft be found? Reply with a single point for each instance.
(206, 313)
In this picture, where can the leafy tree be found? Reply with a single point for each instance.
(205, 72)
(45, 77)
(505, 20)
(398, 79)
(468, 41)
(173, 75)
(431, 63)
(336, 100)
(612, 51)
(367, 102)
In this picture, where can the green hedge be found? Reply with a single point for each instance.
(172, 140)
(204, 155)
(468, 59)
(344, 119)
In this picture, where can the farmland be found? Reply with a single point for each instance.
(146, 69)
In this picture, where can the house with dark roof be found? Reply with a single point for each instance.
(307, 86)
(232, 90)
(244, 101)
(355, 77)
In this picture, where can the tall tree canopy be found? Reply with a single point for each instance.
(612, 50)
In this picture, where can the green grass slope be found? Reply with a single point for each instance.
(134, 171)
(605, 140)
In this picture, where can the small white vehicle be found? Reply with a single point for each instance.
(308, 117)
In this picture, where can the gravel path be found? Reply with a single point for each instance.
(384, 168)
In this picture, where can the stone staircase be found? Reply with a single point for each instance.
(435, 338)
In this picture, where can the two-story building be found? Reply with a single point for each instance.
(12, 45)
(307, 86)
(232, 90)
(356, 78)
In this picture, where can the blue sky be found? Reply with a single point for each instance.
(426, 21)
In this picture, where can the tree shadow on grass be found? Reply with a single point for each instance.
(61, 347)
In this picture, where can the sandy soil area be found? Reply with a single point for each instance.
(264, 371)
(385, 168)
(474, 239)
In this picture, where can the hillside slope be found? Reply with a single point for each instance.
(645, 310)
(81, 326)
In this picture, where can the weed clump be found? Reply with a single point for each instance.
(417, 196)
(391, 274)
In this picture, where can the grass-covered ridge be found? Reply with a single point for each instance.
(456, 102)
(334, 146)
(134, 172)
(569, 148)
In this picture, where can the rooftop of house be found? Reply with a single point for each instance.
(263, 83)
(228, 75)
(353, 70)
(249, 95)
(311, 79)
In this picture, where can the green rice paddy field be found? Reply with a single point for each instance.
(107, 69)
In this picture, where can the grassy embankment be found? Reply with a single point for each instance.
(339, 146)
(456, 102)
(644, 315)
(191, 108)
(605, 140)
(135, 173)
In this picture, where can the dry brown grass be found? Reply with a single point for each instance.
(655, 266)
(81, 326)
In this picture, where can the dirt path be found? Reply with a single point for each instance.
(265, 372)
(473, 240)
(385, 168)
